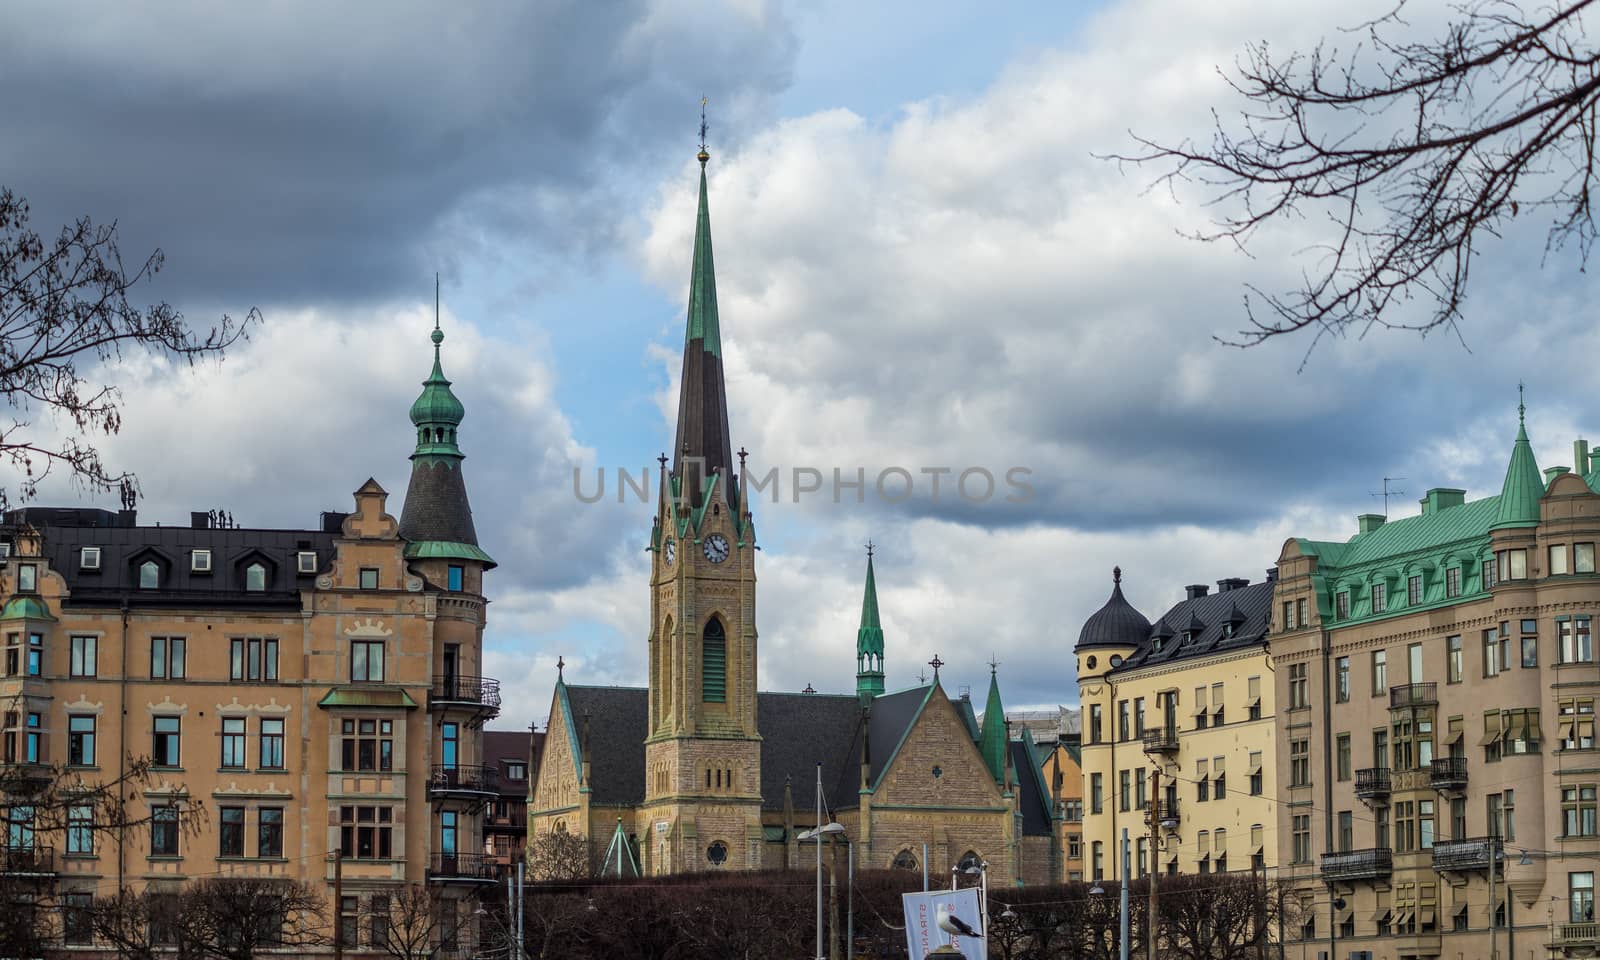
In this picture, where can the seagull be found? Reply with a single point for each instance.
(954, 925)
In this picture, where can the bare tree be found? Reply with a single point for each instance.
(1217, 916)
(559, 855)
(236, 918)
(1414, 152)
(64, 303)
(417, 922)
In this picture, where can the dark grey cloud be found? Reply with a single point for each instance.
(305, 152)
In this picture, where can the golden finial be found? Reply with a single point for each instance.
(703, 156)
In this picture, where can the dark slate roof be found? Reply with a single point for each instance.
(1035, 796)
(619, 719)
(1116, 624)
(1204, 619)
(124, 548)
(799, 730)
(501, 747)
(436, 507)
(892, 715)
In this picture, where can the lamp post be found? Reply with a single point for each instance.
(829, 830)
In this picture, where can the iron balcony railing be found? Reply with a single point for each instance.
(1461, 856)
(457, 689)
(1448, 773)
(461, 867)
(1170, 813)
(1413, 695)
(1369, 864)
(463, 778)
(24, 860)
(1372, 783)
(1160, 740)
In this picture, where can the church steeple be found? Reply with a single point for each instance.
(869, 641)
(702, 393)
(992, 738)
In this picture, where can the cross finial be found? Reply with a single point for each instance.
(662, 460)
(869, 549)
(936, 663)
(993, 665)
(742, 454)
(1521, 410)
(561, 668)
(703, 156)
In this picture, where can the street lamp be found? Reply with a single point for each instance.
(829, 830)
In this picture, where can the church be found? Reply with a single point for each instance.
(701, 770)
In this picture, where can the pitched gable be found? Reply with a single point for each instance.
(937, 738)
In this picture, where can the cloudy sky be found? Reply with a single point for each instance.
(921, 264)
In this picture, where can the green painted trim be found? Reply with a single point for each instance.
(26, 607)
(447, 550)
(553, 810)
(572, 729)
(904, 735)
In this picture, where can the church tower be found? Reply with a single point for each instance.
(703, 752)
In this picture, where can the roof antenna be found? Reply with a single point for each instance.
(436, 300)
(1387, 493)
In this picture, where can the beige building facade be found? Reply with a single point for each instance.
(1437, 680)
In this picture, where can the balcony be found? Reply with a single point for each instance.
(1372, 783)
(464, 782)
(27, 861)
(1371, 864)
(1417, 944)
(1464, 856)
(1568, 935)
(479, 696)
(464, 868)
(1161, 741)
(1170, 813)
(1448, 774)
(1413, 695)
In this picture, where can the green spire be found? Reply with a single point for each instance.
(703, 278)
(869, 641)
(437, 413)
(1524, 484)
(992, 739)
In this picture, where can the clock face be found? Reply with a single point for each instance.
(671, 550)
(716, 548)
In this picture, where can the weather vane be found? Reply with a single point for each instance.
(704, 156)
(869, 549)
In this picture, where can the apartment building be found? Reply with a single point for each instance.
(1437, 678)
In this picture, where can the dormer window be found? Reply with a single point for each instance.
(27, 578)
(1341, 605)
(89, 558)
(149, 575)
(516, 771)
(200, 561)
(306, 561)
(255, 578)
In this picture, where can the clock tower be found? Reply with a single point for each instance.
(702, 806)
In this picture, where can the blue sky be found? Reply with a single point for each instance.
(920, 263)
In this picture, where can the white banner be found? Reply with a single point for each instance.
(923, 935)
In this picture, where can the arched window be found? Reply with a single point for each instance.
(149, 575)
(714, 663)
(969, 861)
(255, 578)
(717, 853)
(906, 860)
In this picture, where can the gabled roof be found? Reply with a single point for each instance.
(1033, 794)
(800, 730)
(618, 721)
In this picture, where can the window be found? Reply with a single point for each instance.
(149, 575)
(368, 744)
(272, 744)
(1341, 680)
(366, 832)
(1380, 596)
(27, 578)
(1341, 605)
(450, 752)
(1488, 574)
(1219, 780)
(1202, 781)
(1414, 590)
(80, 741)
(349, 933)
(516, 771)
(1124, 790)
(1255, 773)
(164, 831)
(1530, 644)
(77, 918)
(1414, 663)
(80, 830)
(1578, 810)
(1299, 685)
(1341, 750)
(1580, 897)
(200, 561)
(1575, 723)
(233, 743)
(369, 578)
(1508, 812)
(1140, 796)
(1254, 693)
(1452, 659)
(167, 658)
(35, 742)
(1074, 848)
(1301, 832)
(1300, 613)
(714, 663)
(1200, 713)
(1511, 565)
(1124, 720)
(1380, 672)
(1299, 763)
(1405, 827)
(366, 661)
(1094, 723)
(305, 561)
(455, 577)
(1380, 748)
(1583, 558)
(1380, 826)
(1347, 832)
(269, 833)
(1097, 869)
(1452, 581)
(1217, 699)
(255, 659)
(1138, 717)
(1096, 793)
(1073, 810)
(1288, 615)
(166, 738)
(82, 663)
(35, 654)
(1577, 643)
(1203, 847)
(380, 921)
(1491, 652)
(1557, 559)
(1425, 824)
(231, 833)
(1458, 818)
(255, 578)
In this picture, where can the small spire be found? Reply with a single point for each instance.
(561, 670)
(1116, 575)
(1521, 409)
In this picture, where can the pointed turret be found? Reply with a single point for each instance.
(437, 517)
(1524, 484)
(702, 393)
(869, 641)
(992, 738)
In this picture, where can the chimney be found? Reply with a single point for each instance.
(1368, 522)
(1442, 498)
(1272, 574)
(1232, 583)
(1550, 474)
(1195, 591)
(199, 520)
(1580, 455)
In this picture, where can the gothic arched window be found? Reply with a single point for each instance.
(149, 575)
(714, 663)
(906, 860)
(255, 578)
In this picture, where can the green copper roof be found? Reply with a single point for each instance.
(703, 281)
(392, 697)
(1524, 485)
(869, 639)
(437, 413)
(25, 608)
(992, 741)
(441, 550)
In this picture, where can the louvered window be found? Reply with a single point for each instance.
(714, 664)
